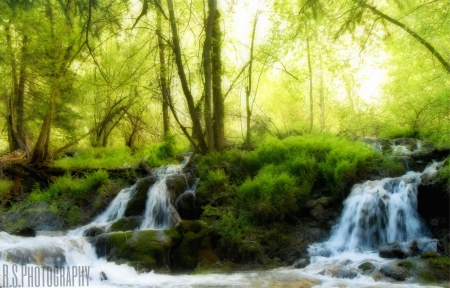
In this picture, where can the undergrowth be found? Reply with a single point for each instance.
(242, 190)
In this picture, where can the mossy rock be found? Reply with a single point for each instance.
(136, 206)
(429, 254)
(193, 226)
(176, 185)
(186, 255)
(366, 266)
(144, 250)
(126, 224)
(407, 264)
(206, 257)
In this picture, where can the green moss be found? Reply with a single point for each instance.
(407, 264)
(427, 277)
(366, 266)
(5, 186)
(136, 206)
(146, 249)
(125, 224)
(441, 262)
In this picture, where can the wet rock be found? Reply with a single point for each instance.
(93, 231)
(103, 276)
(394, 271)
(127, 223)
(176, 184)
(186, 206)
(366, 266)
(24, 232)
(429, 254)
(394, 250)
(136, 206)
(37, 216)
(347, 273)
(301, 263)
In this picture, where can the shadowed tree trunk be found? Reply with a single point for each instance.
(216, 61)
(207, 112)
(165, 92)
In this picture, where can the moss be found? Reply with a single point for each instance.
(206, 257)
(427, 277)
(407, 264)
(429, 254)
(191, 225)
(136, 206)
(441, 262)
(144, 249)
(185, 256)
(125, 224)
(366, 266)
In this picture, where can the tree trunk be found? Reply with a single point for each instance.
(41, 148)
(216, 61)
(197, 127)
(21, 89)
(208, 74)
(163, 76)
(14, 136)
(248, 140)
(311, 106)
(322, 97)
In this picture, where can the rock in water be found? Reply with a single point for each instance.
(103, 276)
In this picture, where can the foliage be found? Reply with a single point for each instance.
(5, 186)
(68, 186)
(99, 157)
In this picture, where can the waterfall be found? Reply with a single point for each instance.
(376, 213)
(159, 212)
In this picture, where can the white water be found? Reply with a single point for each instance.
(351, 244)
(376, 213)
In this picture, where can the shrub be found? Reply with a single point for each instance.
(5, 186)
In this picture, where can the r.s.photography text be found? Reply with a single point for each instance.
(14, 275)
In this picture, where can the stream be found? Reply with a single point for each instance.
(374, 213)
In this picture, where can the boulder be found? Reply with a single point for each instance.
(301, 263)
(186, 206)
(38, 216)
(176, 185)
(136, 206)
(366, 266)
(24, 232)
(127, 223)
(392, 270)
(394, 250)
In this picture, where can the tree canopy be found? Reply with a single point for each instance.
(216, 73)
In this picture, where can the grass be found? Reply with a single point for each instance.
(114, 157)
(5, 186)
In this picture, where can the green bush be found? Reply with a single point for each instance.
(270, 195)
(5, 186)
(70, 187)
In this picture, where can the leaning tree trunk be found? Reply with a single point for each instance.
(197, 126)
(416, 36)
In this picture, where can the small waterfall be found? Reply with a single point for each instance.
(376, 213)
(159, 212)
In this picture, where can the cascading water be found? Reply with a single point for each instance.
(376, 213)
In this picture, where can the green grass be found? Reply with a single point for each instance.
(70, 187)
(5, 186)
(113, 157)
